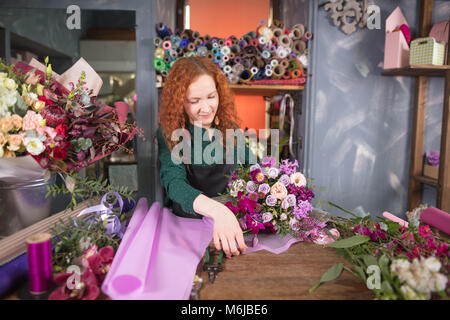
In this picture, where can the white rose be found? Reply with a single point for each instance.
(10, 84)
(3, 75)
(439, 282)
(432, 264)
(400, 266)
(283, 216)
(298, 179)
(272, 173)
(34, 146)
(409, 293)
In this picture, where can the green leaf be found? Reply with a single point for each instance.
(20, 107)
(349, 242)
(370, 260)
(331, 274)
(360, 272)
(70, 184)
(386, 287)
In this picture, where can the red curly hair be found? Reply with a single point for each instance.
(184, 71)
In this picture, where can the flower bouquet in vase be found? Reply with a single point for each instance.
(276, 199)
(52, 123)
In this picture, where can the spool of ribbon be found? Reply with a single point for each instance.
(273, 62)
(225, 58)
(268, 73)
(159, 53)
(167, 59)
(238, 69)
(218, 57)
(277, 32)
(242, 43)
(262, 40)
(195, 34)
(225, 50)
(173, 53)
(159, 64)
(266, 54)
(166, 45)
(175, 40)
(163, 30)
(254, 70)
(268, 66)
(232, 55)
(287, 74)
(282, 52)
(296, 73)
(246, 76)
(254, 42)
(202, 51)
(278, 71)
(228, 42)
(186, 34)
(233, 78)
(227, 69)
(191, 46)
(207, 38)
(307, 36)
(40, 268)
(184, 43)
(198, 42)
(284, 63)
(293, 64)
(210, 55)
(164, 73)
(221, 42)
(157, 41)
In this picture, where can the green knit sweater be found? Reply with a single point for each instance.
(174, 177)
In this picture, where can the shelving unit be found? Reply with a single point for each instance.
(416, 177)
(259, 89)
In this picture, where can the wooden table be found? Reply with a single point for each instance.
(289, 275)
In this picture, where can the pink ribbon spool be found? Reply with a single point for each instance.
(229, 42)
(167, 45)
(40, 269)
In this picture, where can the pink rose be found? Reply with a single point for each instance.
(31, 121)
(48, 132)
(279, 191)
(2, 139)
(15, 142)
(298, 179)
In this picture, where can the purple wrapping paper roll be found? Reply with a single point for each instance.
(13, 273)
(436, 218)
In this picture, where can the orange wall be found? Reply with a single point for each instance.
(224, 18)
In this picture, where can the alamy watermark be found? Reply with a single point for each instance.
(73, 21)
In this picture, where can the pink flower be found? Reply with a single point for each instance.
(101, 262)
(425, 231)
(87, 289)
(31, 121)
(15, 142)
(298, 179)
(86, 254)
(279, 191)
(16, 121)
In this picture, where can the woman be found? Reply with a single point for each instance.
(196, 96)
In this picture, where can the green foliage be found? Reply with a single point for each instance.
(331, 274)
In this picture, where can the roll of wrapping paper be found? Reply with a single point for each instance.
(159, 53)
(227, 69)
(186, 34)
(277, 32)
(225, 50)
(296, 73)
(198, 42)
(242, 43)
(285, 41)
(307, 36)
(175, 41)
(163, 30)
(157, 41)
(284, 63)
(436, 218)
(210, 55)
(299, 46)
(237, 60)
(232, 56)
(207, 38)
(228, 42)
(298, 31)
(274, 62)
(278, 71)
(159, 64)
(218, 57)
(245, 76)
(173, 53)
(251, 34)
(40, 269)
(195, 34)
(235, 49)
(254, 70)
(287, 74)
(225, 58)
(191, 46)
(268, 73)
(166, 45)
(184, 43)
(248, 39)
(266, 54)
(293, 64)
(221, 42)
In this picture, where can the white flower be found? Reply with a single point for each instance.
(10, 84)
(238, 185)
(399, 266)
(273, 173)
(293, 223)
(267, 216)
(432, 264)
(283, 216)
(34, 146)
(298, 179)
(409, 293)
(438, 282)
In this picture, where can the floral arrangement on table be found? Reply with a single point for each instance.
(87, 246)
(63, 130)
(276, 199)
(395, 261)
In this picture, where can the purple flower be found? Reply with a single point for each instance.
(251, 187)
(291, 199)
(284, 179)
(253, 224)
(302, 193)
(271, 200)
(255, 167)
(288, 167)
(230, 206)
(433, 158)
(246, 205)
(264, 188)
(285, 204)
(293, 224)
(269, 162)
(253, 196)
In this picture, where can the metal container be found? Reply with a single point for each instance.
(23, 204)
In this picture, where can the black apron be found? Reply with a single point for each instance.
(210, 179)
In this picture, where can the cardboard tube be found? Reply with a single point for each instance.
(285, 41)
(287, 74)
(198, 42)
(195, 34)
(296, 73)
(157, 41)
(210, 55)
(246, 76)
(221, 42)
(298, 31)
(278, 71)
(284, 63)
(191, 46)
(307, 36)
(299, 46)
(277, 32)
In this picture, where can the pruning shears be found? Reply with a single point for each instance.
(212, 268)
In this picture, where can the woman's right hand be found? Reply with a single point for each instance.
(228, 234)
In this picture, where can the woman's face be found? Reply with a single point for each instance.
(202, 100)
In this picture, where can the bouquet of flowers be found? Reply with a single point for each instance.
(61, 125)
(276, 199)
(396, 261)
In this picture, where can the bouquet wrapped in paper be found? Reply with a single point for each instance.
(52, 123)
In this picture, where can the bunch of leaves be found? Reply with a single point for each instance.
(85, 188)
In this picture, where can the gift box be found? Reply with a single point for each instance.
(426, 51)
(439, 32)
(396, 48)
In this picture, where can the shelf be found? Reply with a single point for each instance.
(427, 180)
(418, 70)
(263, 89)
